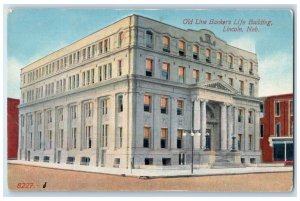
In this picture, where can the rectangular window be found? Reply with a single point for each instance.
(195, 51)
(149, 39)
(278, 129)
(83, 79)
(88, 77)
(195, 76)
(164, 105)
(104, 106)
(104, 135)
(250, 120)
(240, 115)
(261, 130)
(292, 108)
(242, 87)
(208, 55)
(120, 137)
(180, 107)
(181, 74)
(119, 67)
(89, 52)
(109, 71)
(92, 76)
(77, 80)
(165, 71)
(250, 141)
(277, 105)
(147, 103)
(230, 81)
(105, 72)
(166, 44)
(181, 48)
(149, 67)
(74, 138)
(148, 161)
(100, 47)
(219, 58)
(147, 134)
(239, 142)
(84, 54)
(208, 76)
(88, 136)
(120, 103)
(88, 107)
(100, 73)
(251, 89)
(73, 110)
(50, 139)
(164, 137)
(179, 138)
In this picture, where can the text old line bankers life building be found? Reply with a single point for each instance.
(124, 95)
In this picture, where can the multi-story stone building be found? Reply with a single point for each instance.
(123, 97)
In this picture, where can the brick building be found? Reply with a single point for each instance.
(277, 128)
(12, 127)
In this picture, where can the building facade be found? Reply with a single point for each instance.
(12, 127)
(123, 97)
(277, 128)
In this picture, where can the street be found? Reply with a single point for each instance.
(29, 178)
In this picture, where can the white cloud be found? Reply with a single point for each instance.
(276, 72)
(244, 42)
(13, 77)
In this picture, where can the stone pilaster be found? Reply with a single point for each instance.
(223, 127)
(203, 122)
(257, 131)
(236, 126)
(173, 123)
(197, 123)
(229, 127)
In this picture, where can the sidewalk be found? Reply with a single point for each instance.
(159, 172)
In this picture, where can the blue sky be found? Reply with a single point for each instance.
(33, 33)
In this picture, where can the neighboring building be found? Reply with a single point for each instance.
(12, 127)
(277, 128)
(123, 96)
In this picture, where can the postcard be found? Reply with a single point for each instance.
(148, 100)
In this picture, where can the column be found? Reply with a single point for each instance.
(229, 127)
(203, 122)
(223, 127)
(196, 125)
(257, 131)
(235, 113)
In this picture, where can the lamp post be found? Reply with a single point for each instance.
(192, 133)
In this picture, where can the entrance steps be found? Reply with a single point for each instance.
(225, 159)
